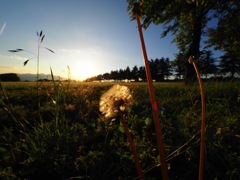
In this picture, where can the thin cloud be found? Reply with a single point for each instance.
(90, 50)
(17, 57)
(75, 51)
(14, 69)
(12, 56)
(5, 67)
(95, 50)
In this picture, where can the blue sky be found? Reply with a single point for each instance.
(90, 36)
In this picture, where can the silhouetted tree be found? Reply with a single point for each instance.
(127, 73)
(135, 73)
(99, 77)
(106, 76)
(160, 69)
(142, 73)
(10, 77)
(207, 63)
(121, 74)
(178, 65)
(226, 37)
(155, 69)
(165, 67)
(114, 75)
(230, 63)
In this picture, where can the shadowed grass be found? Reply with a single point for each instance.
(82, 146)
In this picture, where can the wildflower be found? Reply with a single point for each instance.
(116, 99)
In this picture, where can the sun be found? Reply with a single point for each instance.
(82, 70)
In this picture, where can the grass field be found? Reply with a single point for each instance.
(61, 134)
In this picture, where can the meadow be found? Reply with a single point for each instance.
(59, 133)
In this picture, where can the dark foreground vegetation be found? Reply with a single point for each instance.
(64, 135)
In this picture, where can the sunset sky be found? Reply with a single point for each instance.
(90, 36)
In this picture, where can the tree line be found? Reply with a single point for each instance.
(163, 69)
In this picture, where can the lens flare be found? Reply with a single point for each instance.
(3, 27)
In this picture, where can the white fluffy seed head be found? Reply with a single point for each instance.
(118, 98)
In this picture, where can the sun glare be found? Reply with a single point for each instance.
(82, 71)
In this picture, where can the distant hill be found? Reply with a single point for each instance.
(33, 77)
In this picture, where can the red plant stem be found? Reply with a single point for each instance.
(154, 104)
(133, 149)
(202, 143)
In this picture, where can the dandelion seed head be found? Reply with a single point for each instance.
(118, 98)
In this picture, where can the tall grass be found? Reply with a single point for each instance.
(79, 144)
(41, 37)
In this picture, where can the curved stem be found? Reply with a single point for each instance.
(133, 149)
(202, 143)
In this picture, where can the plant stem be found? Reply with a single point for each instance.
(38, 98)
(136, 11)
(202, 143)
(133, 149)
